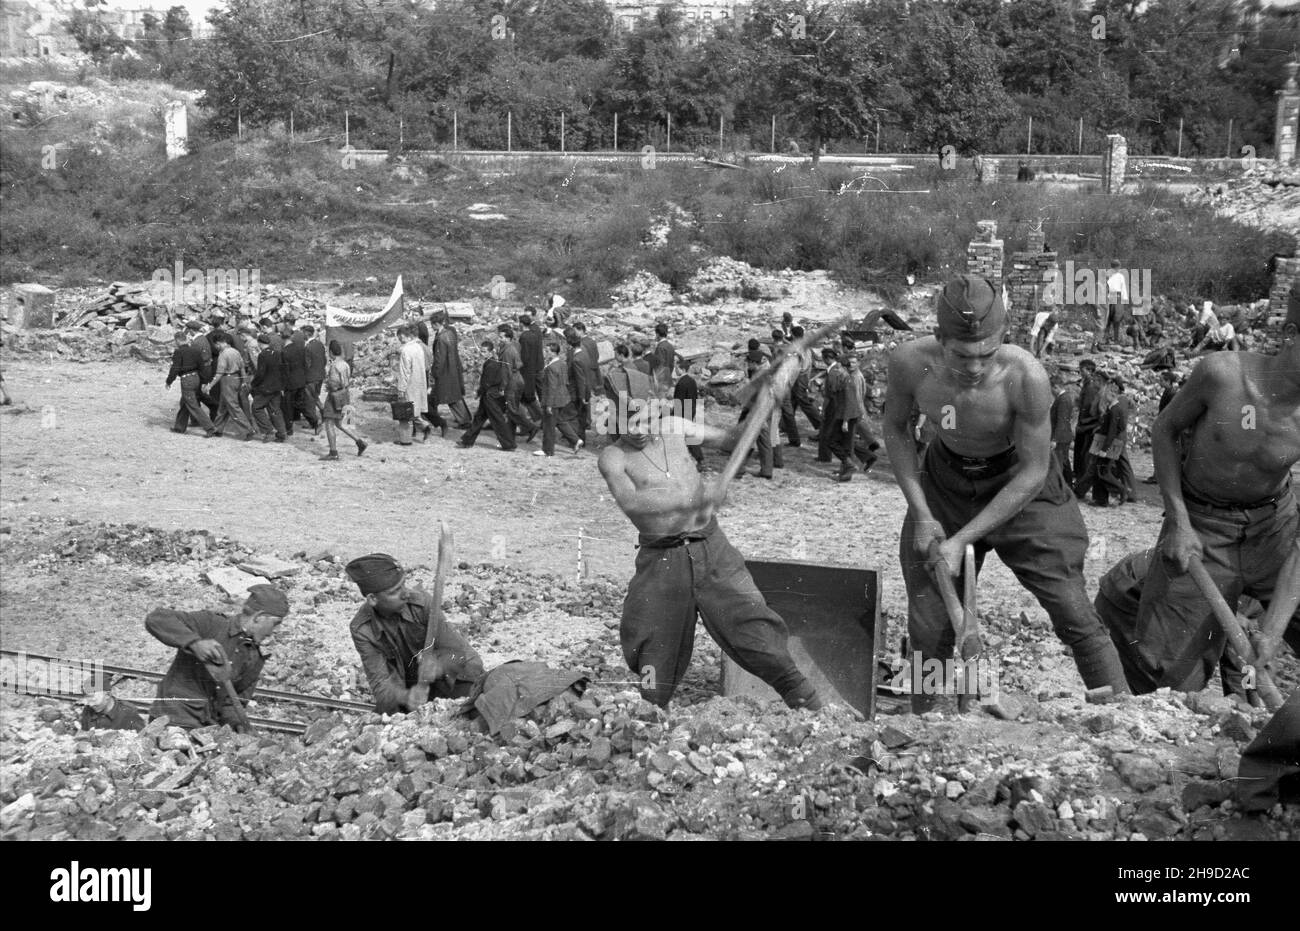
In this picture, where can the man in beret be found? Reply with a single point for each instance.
(989, 478)
(1223, 448)
(187, 365)
(389, 632)
(189, 695)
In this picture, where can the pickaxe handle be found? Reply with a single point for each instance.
(965, 621)
(1232, 629)
(240, 714)
(1286, 597)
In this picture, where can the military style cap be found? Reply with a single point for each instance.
(970, 309)
(267, 599)
(376, 572)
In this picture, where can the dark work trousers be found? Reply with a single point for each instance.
(267, 414)
(1062, 453)
(246, 397)
(191, 408)
(1176, 641)
(459, 412)
(528, 397)
(840, 443)
(788, 425)
(1082, 443)
(1043, 545)
(297, 401)
(801, 400)
(582, 416)
(432, 415)
(767, 444)
(490, 409)
(563, 420)
(1119, 594)
(828, 425)
(518, 417)
(231, 410)
(678, 577)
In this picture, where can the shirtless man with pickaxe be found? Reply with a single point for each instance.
(988, 479)
(1232, 522)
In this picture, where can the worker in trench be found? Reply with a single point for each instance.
(389, 632)
(686, 566)
(988, 479)
(189, 695)
(1224, 448)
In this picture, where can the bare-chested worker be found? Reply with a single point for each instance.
(1228, 501)
(989, 478)
(686, 565)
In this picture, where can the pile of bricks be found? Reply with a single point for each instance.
(1285, 272)
(1031, 273)
(984, 253)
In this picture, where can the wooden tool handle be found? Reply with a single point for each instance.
(1236, 636)
(777, 380)
(947, 591)
(1222, 613)
(440, 579)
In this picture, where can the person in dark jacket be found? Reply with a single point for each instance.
(533, 359)
(297, 399)
(448, 384)
(579, 381)
(189, 695)
(833, 391)
(268, 390)
(101, 709)
(317, 362)
(187, 364)
(801, 393)
(662, 361)
(592, 353)
(1089, 415)
(686, 400)
(493, 383)
(389, 633)
(508, 354)
(1062, 416)
(557, 404)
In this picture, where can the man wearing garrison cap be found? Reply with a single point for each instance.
(389, 633)
(1228, 502)
(188, 695)
(988, 479)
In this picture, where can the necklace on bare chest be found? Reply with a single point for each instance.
(664, 467)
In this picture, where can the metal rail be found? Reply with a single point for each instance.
(317, 701)
(266, 724)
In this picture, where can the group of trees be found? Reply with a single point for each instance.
(924, 74)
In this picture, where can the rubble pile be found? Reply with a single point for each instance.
(141, 305)
(1266, 195)
(604, 765)
(611, 766)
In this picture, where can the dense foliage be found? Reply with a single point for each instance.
(893, 75)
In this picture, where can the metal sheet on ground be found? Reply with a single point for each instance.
(833, 613)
